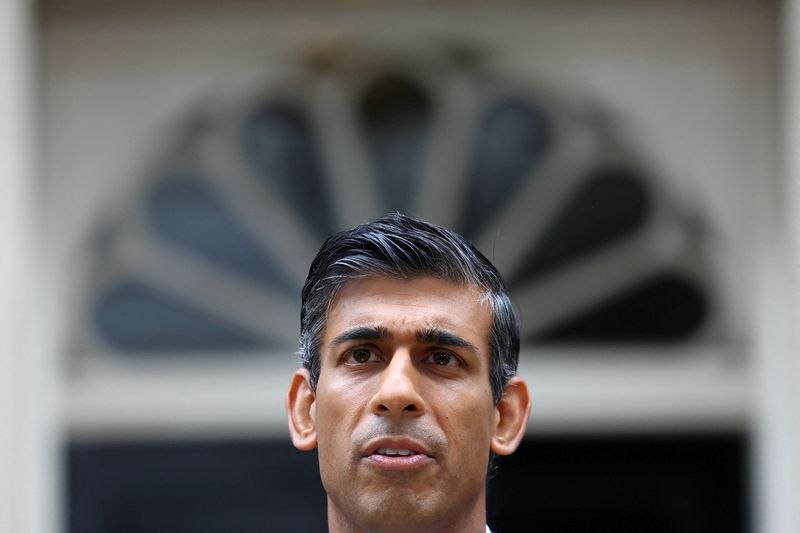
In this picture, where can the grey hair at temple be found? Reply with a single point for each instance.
(405, 248)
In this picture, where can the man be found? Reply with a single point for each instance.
(409, 346)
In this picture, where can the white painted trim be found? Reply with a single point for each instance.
(777, 360)
(28, 446)
(573, 391)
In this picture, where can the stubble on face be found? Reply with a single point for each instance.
(396, 497)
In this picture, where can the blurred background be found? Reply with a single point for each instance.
(173, 167)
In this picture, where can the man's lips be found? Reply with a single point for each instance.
(380, 445)
(397, 453)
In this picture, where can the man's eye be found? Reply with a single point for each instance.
(361, 355)
(444, 359)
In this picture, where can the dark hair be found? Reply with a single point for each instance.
(403, 247)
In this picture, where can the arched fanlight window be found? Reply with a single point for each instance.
(212, 255)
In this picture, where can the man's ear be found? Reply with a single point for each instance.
(512, 417)
(301, 410)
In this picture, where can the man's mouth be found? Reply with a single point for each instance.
(392, 452)
(395, 453)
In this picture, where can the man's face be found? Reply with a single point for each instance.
(403, 408)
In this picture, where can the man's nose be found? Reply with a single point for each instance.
(398, 394)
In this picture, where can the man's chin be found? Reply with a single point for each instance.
(393, 509)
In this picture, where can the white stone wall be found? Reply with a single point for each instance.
(28, 445)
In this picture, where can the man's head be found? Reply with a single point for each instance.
(410, 347)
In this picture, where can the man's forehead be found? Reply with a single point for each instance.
(416, 305)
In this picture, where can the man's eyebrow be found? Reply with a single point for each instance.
(445, 338)
(362, 333)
